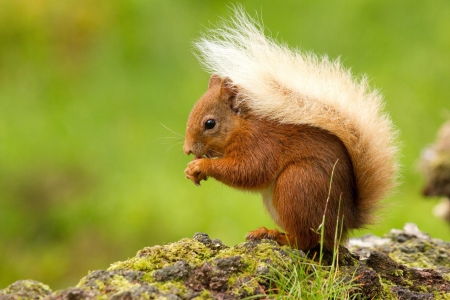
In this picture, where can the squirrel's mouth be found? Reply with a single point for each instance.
(210, 154)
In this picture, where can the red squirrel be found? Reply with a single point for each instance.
(297, 128)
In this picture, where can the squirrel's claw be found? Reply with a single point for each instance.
(194, 173)
(271, 234)
(193, 179)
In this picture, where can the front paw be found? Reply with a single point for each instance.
(195, 171)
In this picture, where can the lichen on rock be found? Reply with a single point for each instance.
(26, 289)
(411, 265)
(197, 268)
(405, 264)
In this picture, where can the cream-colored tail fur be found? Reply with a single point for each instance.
(291, 86)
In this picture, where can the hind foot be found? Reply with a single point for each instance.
(264, 233)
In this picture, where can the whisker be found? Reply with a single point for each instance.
(171, 130)
(172, 146)
(167, 140)
(167, 137)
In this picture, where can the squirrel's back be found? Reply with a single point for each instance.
(290, 86)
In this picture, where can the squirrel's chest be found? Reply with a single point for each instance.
(267, 199)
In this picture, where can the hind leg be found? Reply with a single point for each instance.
(299, 197)
(291, 204)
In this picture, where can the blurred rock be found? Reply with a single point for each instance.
(435, 165)
(26, 289)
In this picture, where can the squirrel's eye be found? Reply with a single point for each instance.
(209, 124)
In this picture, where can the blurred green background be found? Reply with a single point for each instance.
(95, 94)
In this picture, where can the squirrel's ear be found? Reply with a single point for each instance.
(230, 91)
(214, 80)
(227, 87)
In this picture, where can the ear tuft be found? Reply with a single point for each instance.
(228, 88)
(214, 80)
(230, 92)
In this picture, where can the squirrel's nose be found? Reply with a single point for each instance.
(186, 149)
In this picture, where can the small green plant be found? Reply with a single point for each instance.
(304, 277)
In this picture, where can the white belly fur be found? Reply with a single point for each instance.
(267, 199)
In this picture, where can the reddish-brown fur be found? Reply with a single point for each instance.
(295, 162)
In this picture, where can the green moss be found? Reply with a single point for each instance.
(232, 280)
(157, 257)
(101, 285)
(120, 284)
(241, 281)
(148, 278)
(248, 288)
(423, 254)
(242, 284)
(204, 295)
(441, 296)
(171, 288)
(175, 287)
(387, 289)
(256, 256)
(408, 282)
(81, 282)
(115, 285)
(27, 289)
(423, 289)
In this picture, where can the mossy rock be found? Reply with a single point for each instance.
(405, 264)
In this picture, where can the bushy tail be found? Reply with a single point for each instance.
(295, 87)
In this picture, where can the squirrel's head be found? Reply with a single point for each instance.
(212, 120)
